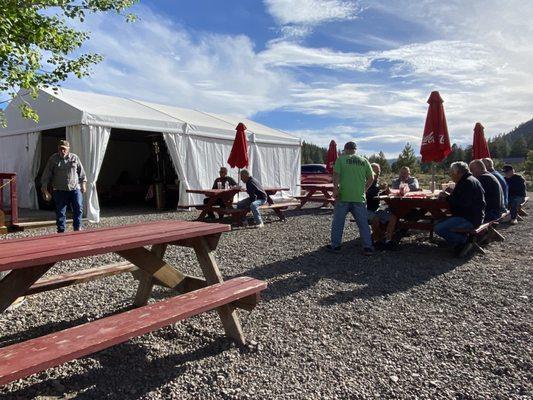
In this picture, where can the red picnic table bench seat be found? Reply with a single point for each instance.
(28, 259)
(521, 212)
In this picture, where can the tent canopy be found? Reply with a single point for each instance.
(66, 107)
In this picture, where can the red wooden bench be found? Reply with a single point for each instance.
(28, 259)
(481, 235)
(9, 213)
(35, 355)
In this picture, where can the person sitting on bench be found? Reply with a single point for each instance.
(220, 183)
(467, 204)
(257, 197)
(489, 164)
(517, 191)
(492, 188)
(405, 177)
(376, 216)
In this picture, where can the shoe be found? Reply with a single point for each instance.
(368, 251)
(245, 223)
(389, 245)
(463, 250)
(259, 226)
(332, 249)
(514, 221)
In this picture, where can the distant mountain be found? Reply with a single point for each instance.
(524, 130)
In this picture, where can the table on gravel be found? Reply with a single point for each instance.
(29, 259)
(425, 208)
(226, 197)
(325, 196)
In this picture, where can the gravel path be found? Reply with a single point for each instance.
(413, 323)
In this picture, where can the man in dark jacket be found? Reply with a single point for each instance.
(517, 190)
(492, 188)
(256, 198)
(222, 182)
(489, 164)
(467, 204)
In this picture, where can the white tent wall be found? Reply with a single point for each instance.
(17, 154)
(89, 143)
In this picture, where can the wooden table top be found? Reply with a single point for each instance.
(317, 186)
(218, 192)
(28, 252)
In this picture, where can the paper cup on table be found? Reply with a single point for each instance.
(47, 196)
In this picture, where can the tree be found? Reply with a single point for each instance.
(37, 45)
(502, 148)
(382, 161)
(519, 148)
(406, 158)
(529, 163)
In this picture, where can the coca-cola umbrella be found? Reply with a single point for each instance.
(436, 141)
(331, 156)
(238, 156)
(480, 149)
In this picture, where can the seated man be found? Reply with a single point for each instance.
(492, 188)
(517, 190)
(257, 197)
(405, 177)
(467, 204)
(223, 179)
(376, 216)
(489, 164)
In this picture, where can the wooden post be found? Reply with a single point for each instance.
(228, 315)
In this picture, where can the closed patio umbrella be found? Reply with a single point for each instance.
(480, 149)
(238, 156)
(331, 156)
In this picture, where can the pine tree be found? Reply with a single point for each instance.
(519, 148)
(407, 158)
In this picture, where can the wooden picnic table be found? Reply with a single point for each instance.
(216, 196)
(325, 194)
(28, 259)
(417, 210)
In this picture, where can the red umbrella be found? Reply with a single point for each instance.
(480, 149)
(239, 152)
(331, 156)
(435, 142)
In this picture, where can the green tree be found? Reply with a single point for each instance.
(502, 148)
(519, 148)
(382, 161)
(406, 158)
(529, 164)
(38, 44)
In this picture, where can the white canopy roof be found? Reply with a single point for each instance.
(69, 107)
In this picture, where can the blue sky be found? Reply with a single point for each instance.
(324, 69)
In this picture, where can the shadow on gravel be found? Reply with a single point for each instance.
(126, 371)
(382, 274)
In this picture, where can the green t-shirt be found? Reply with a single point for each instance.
(353, 172)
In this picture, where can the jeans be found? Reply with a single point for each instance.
(443, 229)
(492, 215)
(63, 198)
(359, 212)
(514, 202)
(254, 207)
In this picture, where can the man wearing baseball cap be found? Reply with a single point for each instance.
(66, 175)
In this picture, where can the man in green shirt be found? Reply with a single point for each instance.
(352, 176)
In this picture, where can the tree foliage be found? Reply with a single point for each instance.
(407, 158)
(313, 154)
(382, 161)
(37, 44)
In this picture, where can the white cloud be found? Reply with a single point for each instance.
(310, 11)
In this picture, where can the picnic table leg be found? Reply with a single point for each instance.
(228, 314)
(278, 212)
(17, 282)
(146, 280)
(208, 207)
(304, 200)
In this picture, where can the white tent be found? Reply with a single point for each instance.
(198, 142)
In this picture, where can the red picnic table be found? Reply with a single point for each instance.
(226, 196)
(324, 196)
(28, 259)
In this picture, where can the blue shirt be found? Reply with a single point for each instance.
(504, 186)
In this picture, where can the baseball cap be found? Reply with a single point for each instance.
(507, 168)
(63, 143)
(350, 146)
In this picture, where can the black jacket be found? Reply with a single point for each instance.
(517, 186)
(493, 193)
(468, 200)
(372, 204)
(255, 190)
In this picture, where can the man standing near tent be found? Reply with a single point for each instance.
(257, 197)
(352, 176)
(66, 175)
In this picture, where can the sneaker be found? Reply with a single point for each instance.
(368, 251)
(463, 250)
(259, 226)
(514, 221)
(332, 249)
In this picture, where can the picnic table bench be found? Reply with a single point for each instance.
(318, 193)
(28, 259)
(225, 197)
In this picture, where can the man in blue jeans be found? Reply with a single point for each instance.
(66, 175)
(352, 176)
(467, 204)
(256, 198)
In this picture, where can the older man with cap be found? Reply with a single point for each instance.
(352, 176)
(66, 175)
(492, 188)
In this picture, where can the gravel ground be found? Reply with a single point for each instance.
(414, 323)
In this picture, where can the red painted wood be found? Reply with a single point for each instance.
(21, 253)
(35, 355)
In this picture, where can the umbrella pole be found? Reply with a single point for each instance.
(432, 185)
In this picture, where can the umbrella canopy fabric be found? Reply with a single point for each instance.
(480, 149)
(435, 142)
(238, 156)
(331, 156)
